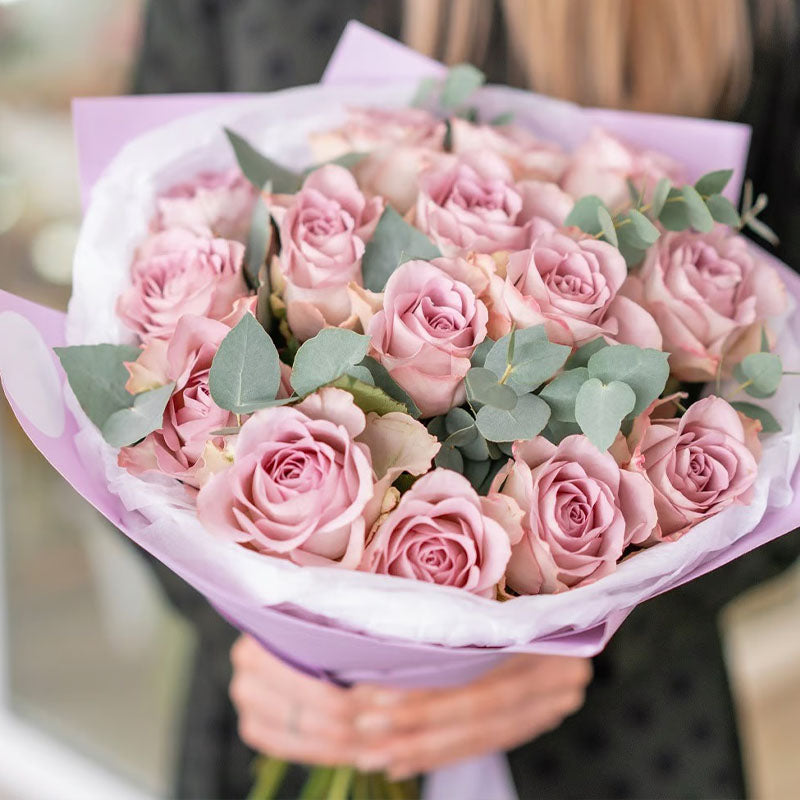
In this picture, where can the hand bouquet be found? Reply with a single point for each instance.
(454, 390)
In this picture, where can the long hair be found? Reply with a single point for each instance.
(690, 57)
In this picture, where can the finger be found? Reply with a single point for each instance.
(249, 657)
(424, 750)
(280, 711)
(500, 691)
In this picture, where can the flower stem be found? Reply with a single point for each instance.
(506, 374)
(269, 776)
(339, 788)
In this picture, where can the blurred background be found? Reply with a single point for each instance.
(94, 664)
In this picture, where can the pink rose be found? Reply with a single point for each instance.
(698, 464)
(572, 288)
(580, 513)
(602, 165)
(440, 533)
(305, 482)
(399, 143)
(183, 447)
(529, 158)
(710, 296)
(177, 273)
(323, 231)
(428, 326)
(212, 204)
(471, 202)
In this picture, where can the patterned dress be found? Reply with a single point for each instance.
(658, 719)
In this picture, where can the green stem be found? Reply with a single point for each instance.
(269, 776)
(318, 783)
(506, 374)
(340, 783)
(740, 387)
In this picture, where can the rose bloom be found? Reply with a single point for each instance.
(177, 273)
(323, 231)
(471, 202)
(580, 513)
(710, 296)
(424, 328)
(698, 464)
(603, 164)
(211, 204)
(308, 481)
(442, 532)
(399, 142)
(529, 158)
(183, 447)
(572, 287)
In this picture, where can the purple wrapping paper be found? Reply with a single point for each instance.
(103, 126)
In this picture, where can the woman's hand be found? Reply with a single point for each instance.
(289, 715)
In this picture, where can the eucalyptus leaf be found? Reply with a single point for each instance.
(600, 409)
(722, 210)
(393, 242)
(258, 242)
(535, 358)
(631, 246)
(580, 358)
(346, 160)
(524, 421)
(97, 376)
(481, 351)
(644, 229)
(561, 392)
(259, 169)
(674, 215)
(765, 347)
(660, 192)
(383, 380)
(362, 373)
(584, 214)
(461, 81)
(368, 398)
(326, 357)
(448, 457)
(476, 472)
(130, 425)
(457, 419)
(557, 430)
(760, 373)
(483, 388)
(476, 449)
(713, 182)
(424, 92)
(768, 422)
(607, 225)
(245, 374)
(645, 370)
(699, 215)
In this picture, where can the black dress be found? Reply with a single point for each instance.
(658, 719)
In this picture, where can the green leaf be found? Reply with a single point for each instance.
(258, 242)
(130, 425)
(722, 210)
(584, 214)
(368, 398)
(644, 229)
(383, 380)
(524, 421)
(644, 370)
(259, 169)
(768, 423)
(477, 471)
(97, 376)
(505, 118)
(476, 449)
(461, 81)
(631, 246)
(458, 419)
(699, 215)
(326, 357)
(660, 192)
(607, 225)
(424, 92)
(481, 351)
(449, 457)
(713, 182)
(535, 358)
(362, 373)
(761, 372)
(600, 409)
(674, 215)
(561, 392)
(765, 348)
(483, 387)
(346, 160)
(245, 373)
(393, 242)
(557, 430)
(580, 358)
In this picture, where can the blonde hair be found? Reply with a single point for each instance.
(690, 57)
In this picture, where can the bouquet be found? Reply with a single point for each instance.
(443, 363)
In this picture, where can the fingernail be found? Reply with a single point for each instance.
(372, 762)
(371, 722)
